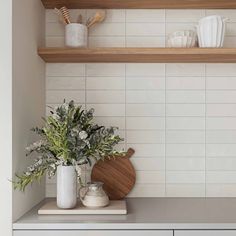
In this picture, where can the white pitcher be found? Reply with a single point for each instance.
(211, 31)
(93, 195)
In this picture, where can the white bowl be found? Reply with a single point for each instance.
(182, 39)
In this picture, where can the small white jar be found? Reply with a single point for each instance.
(76, 35)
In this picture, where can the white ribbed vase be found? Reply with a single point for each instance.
(66, 187)
(211, 31)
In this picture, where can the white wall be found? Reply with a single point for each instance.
(28, 92)
(6, 117)
(180, 118)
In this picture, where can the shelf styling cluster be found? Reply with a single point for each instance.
(142, 55)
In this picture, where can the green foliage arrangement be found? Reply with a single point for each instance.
(69, 137)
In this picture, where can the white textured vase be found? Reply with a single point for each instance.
(211, 31)
(66, 187)
(76, 35)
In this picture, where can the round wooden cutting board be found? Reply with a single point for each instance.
(118, 175)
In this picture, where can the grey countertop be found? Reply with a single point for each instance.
(144, 213)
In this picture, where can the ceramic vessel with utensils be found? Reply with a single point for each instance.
(93, 195)
(211, 31)
(76, 35)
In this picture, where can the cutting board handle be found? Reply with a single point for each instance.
(130, 153)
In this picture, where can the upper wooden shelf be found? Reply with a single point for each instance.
(142, 55)
(142, 4)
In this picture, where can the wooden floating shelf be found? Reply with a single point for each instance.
(142, 4)
(139, 55)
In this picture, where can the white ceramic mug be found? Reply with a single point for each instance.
(76, 35)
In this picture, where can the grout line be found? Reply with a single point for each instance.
(85, 167)
(165, 111)
(125, 29)
(205, 131)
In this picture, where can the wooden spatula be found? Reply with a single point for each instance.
(97, 18)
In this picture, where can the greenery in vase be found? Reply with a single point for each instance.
(69, 137)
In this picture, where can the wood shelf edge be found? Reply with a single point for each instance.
(141, 4)
(145, 55)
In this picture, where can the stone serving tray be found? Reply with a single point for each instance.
(114, 208)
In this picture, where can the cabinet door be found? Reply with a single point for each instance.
(94, 233)
(205, 233)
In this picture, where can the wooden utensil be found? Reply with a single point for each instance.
(98, 17)
(79, 19)
(118, 175)
(61, 18)
(65, 13)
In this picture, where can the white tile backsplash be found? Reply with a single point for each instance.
(185, 83)
(149, 163)
(144, 16)
(151, 41)
(185, 136)
(180, 118)
(185, 110)
(145, 96)
(185, 123)
(185, 150)
(183, 16)
(105, 83)
(185, 177)
(185, 190)
(145, 136)
(145, 123)
(187, 97)
(185, 163)
(145, 69)
(145, 83)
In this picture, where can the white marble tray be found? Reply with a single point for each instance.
(114, 208)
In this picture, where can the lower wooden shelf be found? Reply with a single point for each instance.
(139, 55)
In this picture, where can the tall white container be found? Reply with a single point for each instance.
(66, 187)
(76, 35)
(211, 31)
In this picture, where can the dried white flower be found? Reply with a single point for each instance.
(53, 166)
(83, 135)
(31, 168)
(55, 116)
(78, 170)
(65, 106)
(74, 132)
(40, 161)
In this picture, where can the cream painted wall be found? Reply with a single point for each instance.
(6, 117)
(28, 92)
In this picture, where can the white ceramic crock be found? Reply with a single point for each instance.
(66, 187)
(211, 31)
(76, 35)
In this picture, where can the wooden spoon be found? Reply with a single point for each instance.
(79, 19)
(66, 14)
(98, 17)
(61, 18)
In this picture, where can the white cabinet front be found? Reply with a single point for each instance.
(205, 233)
(94, 233)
